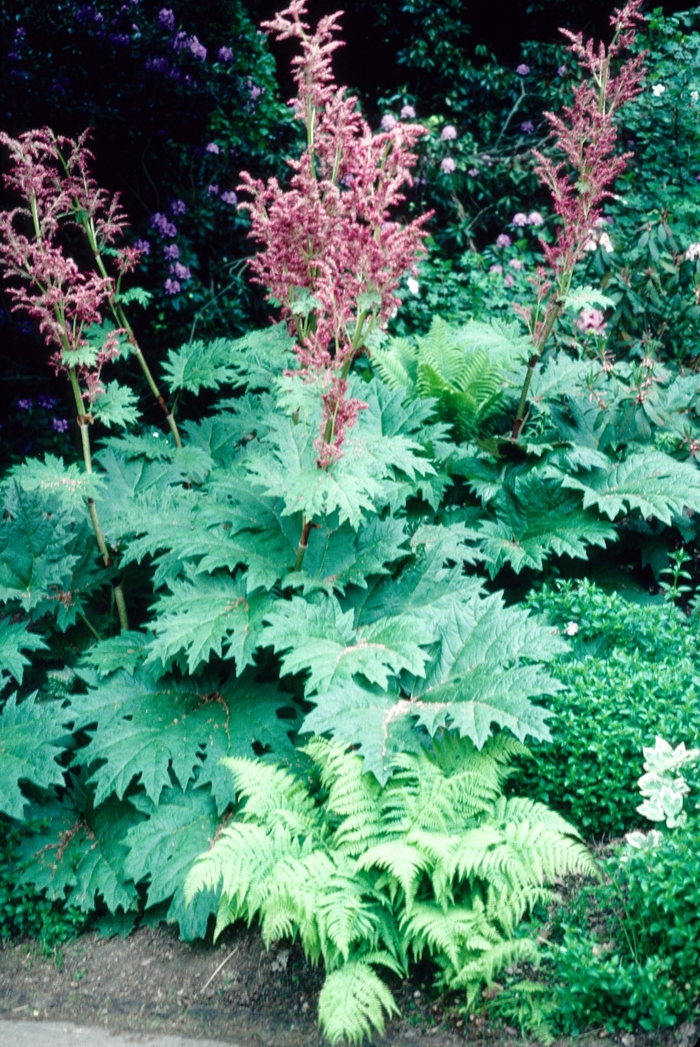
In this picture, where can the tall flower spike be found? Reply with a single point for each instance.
(581, 181)
(332, 255)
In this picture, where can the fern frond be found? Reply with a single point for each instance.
(396, 364)
(492, 960)
(272, 795)
(353, 1002)
(403, 862)
(353, 795)
(421, 796)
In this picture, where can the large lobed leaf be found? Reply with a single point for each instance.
(30, 744)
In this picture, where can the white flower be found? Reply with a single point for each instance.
(694, 96)
(596, 239)
(413, 285)
(693, 252)
(658, 89)
(571, 628)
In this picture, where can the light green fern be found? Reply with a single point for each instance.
(465, 379)
(435, 862)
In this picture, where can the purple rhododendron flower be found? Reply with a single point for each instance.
(212, 148)
(180, 271)
(509, 280)
(522, 69)
(408, 113)
(143, 246)
(26, 404)
(161, 223)
(535, 218)
(178, 207)
(520, 219)
(171, 287)
(448, 165)
(197, 49)
(561, 71)
(158, 65)
(256, 91)
(225, 54)
(229, 197)
(388, 122)
(59, 424)
(46, 401)
(527, 127)
(515, 263)
(213, 189)
(496, 269)
(181, 41)
(503, 240)
(166, 18)
(171, 251)
(473, 172)
(448, 133)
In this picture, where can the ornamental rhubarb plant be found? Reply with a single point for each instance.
(333, 254)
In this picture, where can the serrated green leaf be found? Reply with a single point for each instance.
(53, 477)
(321, 638)
(77, 853)
(654, 483)
(116, 406)
(30, 744)
(204, 615)
(15, 638)
(163, 849)
(376, 724)
(336, 558)
(145, 728)
(135, 294)
(251, 725)
(125, 651)
(537, 519)
(200, 365)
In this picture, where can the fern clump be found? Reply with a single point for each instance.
(463, 369)
(436, 862)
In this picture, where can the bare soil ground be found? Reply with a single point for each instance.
(236, 991)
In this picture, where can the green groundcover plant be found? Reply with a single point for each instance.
(293, 632)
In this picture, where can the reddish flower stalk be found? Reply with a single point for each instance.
(332, 256)
(581, 182)
(103, 221)
(51, 288)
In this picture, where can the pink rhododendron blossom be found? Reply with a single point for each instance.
(520, 220)
(407, 113)
(448, 165)
(496, 268)
(448, 133)
(330, 236)
(591, 320)
(503, 240)
(509, 280)
(535, 218)
(515, 263)
(388, 122)
(522, 69)
(212, 147)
